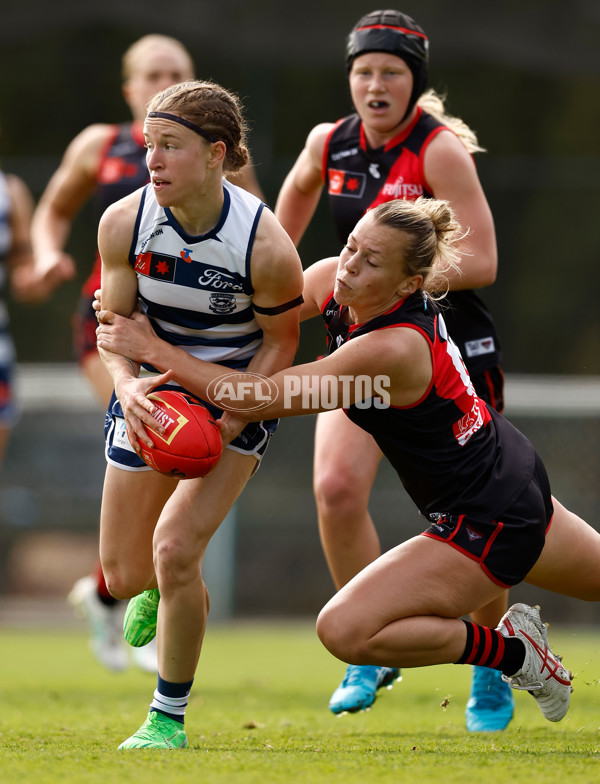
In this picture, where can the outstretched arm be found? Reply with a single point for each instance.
(69, 188)
(393, 365)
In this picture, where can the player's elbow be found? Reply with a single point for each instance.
(490, 269)
(480, 275)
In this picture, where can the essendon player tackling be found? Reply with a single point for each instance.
(492, 521)
(400, 143)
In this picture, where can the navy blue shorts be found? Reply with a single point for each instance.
(253, 440)
(506, 548)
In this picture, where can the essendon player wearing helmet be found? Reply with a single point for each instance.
(396, 33)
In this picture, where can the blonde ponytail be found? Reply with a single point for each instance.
(434, 104)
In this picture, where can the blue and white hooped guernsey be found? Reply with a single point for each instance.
(5, 229)
(197, 291)
(8, 409)
(7, 350)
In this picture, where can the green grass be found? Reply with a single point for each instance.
(258, 715)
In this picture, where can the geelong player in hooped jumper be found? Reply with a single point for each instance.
(399, 144)
(479, 483)
(102, 164)
(218, 277)
(16, 266)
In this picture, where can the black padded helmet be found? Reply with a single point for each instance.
(394, 32)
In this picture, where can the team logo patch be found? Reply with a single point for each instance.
(155, 265)
(343, 183)
(475, 348)
(120, 437)
(473, 534)
(222, 303)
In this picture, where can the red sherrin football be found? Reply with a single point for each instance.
(191, 445)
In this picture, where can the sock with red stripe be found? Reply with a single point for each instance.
(486, 647)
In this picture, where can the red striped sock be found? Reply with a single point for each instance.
(486, 647)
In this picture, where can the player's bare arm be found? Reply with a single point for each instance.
(451, 174)
(278, 282)
(119, 291)
(318, 285)
(399, 357)
(19, 259)
(301, 189)
(69, 188)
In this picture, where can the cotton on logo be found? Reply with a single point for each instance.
(242, 391)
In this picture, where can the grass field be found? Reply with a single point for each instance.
(258, 715)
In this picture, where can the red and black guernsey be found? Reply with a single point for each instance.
(358, 178)
(122, 167)
(122, 170)
(452, 453)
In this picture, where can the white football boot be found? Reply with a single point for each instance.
(106, 640)
(145, 657)
(542, 673)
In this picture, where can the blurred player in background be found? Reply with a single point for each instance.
(16, 263)
(399, 144)
(104, 162)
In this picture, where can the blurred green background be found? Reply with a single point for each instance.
(525, 74)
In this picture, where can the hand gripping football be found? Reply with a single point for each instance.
(191, 445)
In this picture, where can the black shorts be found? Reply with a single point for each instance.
(84, 324)
(506, 548)
(489, 386)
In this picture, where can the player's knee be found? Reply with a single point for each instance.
(339, 635)
(174, 560)
(122, 585)
(339, 492)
